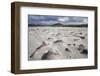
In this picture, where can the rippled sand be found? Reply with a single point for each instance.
(59, 42)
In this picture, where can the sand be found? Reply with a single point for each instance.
(57, 42)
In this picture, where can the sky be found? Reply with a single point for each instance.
(50, 20)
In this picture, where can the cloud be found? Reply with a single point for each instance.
(49, 20)
(63, 19)
(85, 20)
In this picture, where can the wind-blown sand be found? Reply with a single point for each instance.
(57, 43)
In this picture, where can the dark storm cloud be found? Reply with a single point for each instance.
(49, 20)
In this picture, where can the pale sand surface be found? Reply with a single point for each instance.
(68, 37)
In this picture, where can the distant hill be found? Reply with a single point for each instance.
(59, 25)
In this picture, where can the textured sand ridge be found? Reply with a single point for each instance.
(48, 43)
